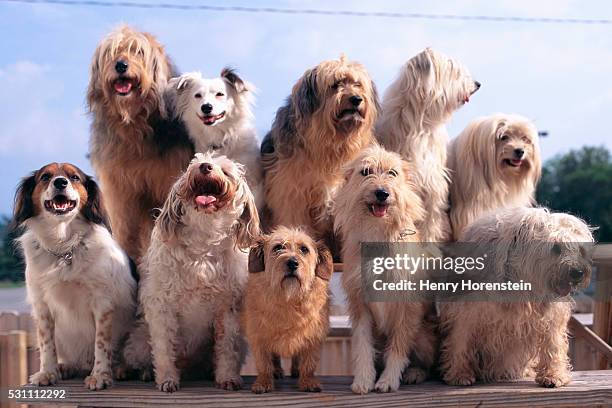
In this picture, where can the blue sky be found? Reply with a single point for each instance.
(557, 75)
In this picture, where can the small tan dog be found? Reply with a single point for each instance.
(286, 309)
(495, 341)
(495, 162)
(379, 203)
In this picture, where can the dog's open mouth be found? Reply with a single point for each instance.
(378, 210)
(513, 162)
(209, 120)
(60, 204)
(207, 196)
(123, 86)
(564, 288)
(350, 114)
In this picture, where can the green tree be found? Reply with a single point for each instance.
(580, 182)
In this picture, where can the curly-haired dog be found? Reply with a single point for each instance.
(379, 203)
(78, 280)
(415, 108)
(493, 341)
(286, 305)
(495, 162)
(324, 124)
(195, 270)
(136, 153)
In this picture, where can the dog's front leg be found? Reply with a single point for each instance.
(163, 328)
(308, 362)
(265, 368)
(363, 352)
(229, 351)
(101, 376)
(49, 370)
(553, 368)
(458, 351)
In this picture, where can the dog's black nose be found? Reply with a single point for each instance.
(576, 275)
(206, 168)
(477, 85)
(381, 194)
(356, 100)
(60, 183)
(292, 264)
(206, 108)
(121, 66)
(518, 153)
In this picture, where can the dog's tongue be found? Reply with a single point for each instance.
(516, 162)
(123, 86)
(379, 210)
(204, 200)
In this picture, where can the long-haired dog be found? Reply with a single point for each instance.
(78, 279)
(136, 153)
(379, 203)
(495, 162)
(195, 270)
(324, 124)
(286, 304)
(415, 108)
(217, 115)
(493, 341)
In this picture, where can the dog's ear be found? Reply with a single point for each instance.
(169, 220)
(305, 95)
(230, 75)
(24, 206)
(424, 66)
(94, 210)
(256, 256)
(93, 88)
(325, 262)
(375, 99)
(247, 229)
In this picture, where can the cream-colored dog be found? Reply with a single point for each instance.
(495, 162)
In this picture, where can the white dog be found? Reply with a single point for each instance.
(495, 162)
(78, 280)
(415, 108)
(217, 115)
(195, 270)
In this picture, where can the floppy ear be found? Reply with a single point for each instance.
(93, 88)
(230, 75)
(169, 219)
(24, 206)
(94, 207)
(325, 262)
(375, 99)
(256, 257)
(305, 96)
(248, 223)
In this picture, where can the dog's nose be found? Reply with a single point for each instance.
(381, 194)
(121, 66)
(477, 85)
(576, 275)
(518, 153)
(60, 183)
(206, 108)
(292, 264)
(356, 100)
(206, 168)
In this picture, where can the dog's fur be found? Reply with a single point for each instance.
(314, 134)
(136, 153)
(195, 270)
(217, 115)
(360, 217)
(286, 305)
(415, 108)
(494, 341)
(78, 279)
(484, 177)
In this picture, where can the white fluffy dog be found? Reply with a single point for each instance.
(77, 277)
(495, 162)
(217, 115)
(415, 108)
(493, 341)
(378, 203)
(195, 270)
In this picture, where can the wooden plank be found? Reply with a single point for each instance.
(602, 308)
(588, 388)
(9, 320)
(595, 341)
(13, 358)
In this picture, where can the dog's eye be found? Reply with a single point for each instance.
(304, 249)
(393, 173)
(45, 177)
(335, 85)
(504, 138)
(526, 140)
(366, 172)
(197, 96)
(220, 94)
(75, 177)
(278, 248)
(358, 84)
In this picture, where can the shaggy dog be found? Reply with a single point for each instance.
(136, 153)
(493, 341)
(324, 124)
(195, 270)
(217, 115)
(495, 162)
(379, 203)
(78, 279)
(415, 108)
(286, 308)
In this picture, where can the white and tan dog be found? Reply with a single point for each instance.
(415, 109)
(218, 117)
(78, 279)
(379, 203)
(495, 162)
(504, 340)
(196, 270)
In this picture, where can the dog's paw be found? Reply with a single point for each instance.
(309, 384)
(387, 384)
(230, 384)
(43, 378)
(414, 375)
(98, 381)
(362, 386)
(169, 385)
(552, 381)
(462, 379)
(262, 386)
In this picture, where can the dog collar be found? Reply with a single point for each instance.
(405, 233)
(65, 257)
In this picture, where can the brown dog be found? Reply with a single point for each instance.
(286, 310)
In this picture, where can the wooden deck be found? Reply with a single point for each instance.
(589, 388)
